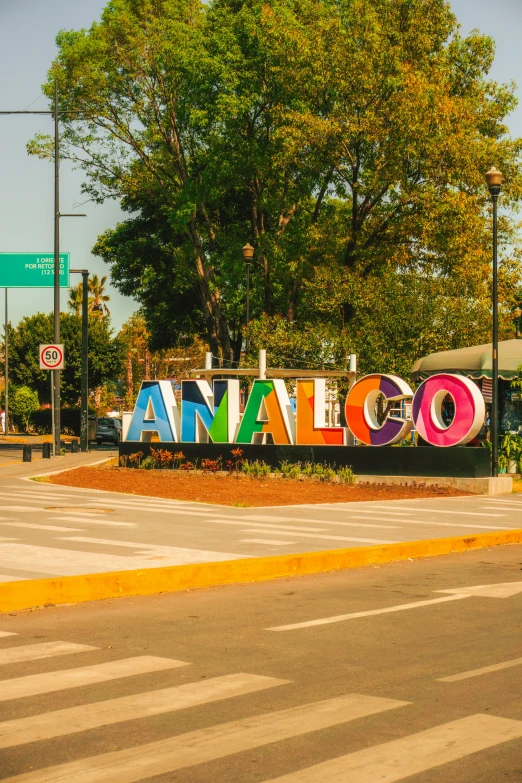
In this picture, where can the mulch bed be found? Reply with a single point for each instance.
(236, 490)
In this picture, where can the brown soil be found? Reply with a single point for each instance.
(236, 490)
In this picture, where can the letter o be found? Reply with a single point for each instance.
(360, 410)
(470, 410)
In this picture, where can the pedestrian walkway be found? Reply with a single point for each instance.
(49, 530)
(383, 759)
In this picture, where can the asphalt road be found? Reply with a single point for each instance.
(208, 686)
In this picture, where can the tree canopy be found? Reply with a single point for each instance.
(105, 354)
(347, 140)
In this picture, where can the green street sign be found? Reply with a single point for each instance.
(32, 270)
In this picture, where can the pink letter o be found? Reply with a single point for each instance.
(470, 410)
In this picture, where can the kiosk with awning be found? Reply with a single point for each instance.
(476, 362)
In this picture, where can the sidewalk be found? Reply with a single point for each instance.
(61, 544)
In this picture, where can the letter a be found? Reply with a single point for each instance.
(155, 411)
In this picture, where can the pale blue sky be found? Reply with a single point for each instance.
(27, 32)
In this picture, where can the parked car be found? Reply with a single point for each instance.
(108, 430)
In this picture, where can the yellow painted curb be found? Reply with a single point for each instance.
(117, 584)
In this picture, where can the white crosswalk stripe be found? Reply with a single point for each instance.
(412, 755)
(269, 541)
(41, 527)
(92, 519)
(281, 522)
(22, 509)
(63, 679)
(451, 511)
(7, 633)
(34, 652)
(140, 705)
(197, 747)
(322, 536)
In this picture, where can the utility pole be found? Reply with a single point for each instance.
(56, 286)
(494, 180)
(6, 347)
(56, 391)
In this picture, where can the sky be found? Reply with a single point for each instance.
(27, 47)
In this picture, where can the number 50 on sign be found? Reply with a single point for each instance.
(51, 357)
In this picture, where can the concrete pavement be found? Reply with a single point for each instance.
(198, 687)
(49, 530)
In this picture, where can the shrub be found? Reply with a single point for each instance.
(135, 458)
(148, 463)
(162, 458)
(256, 469)
(346, 475)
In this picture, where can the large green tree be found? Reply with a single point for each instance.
(105, 354)
(346, 139)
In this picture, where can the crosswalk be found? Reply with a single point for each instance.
(48, 530)
(380, 760)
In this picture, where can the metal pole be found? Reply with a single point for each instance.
(247, 341)
(52, 411)
(6, 424)
(494, 397)
(84, 426)
(56, 395)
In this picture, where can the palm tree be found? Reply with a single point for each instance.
(75, 299)
(98, 298)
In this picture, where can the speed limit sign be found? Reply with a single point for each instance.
(51, 357)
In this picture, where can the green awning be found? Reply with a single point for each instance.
(474, 362)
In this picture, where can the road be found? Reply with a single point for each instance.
(49, 530)
(207, 686)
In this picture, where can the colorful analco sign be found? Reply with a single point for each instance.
(211, 414)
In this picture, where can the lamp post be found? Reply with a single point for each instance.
(517, 313)
(248, 254)
(494, 181)
(56, 286)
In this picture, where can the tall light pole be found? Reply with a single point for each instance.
(56, 287)
(248, 254)
(494, 181)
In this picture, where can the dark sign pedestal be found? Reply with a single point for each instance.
(461, 462)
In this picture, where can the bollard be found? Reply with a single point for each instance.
(74, 446)
(27, 454)
(46, 451)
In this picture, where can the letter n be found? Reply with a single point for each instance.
(209, 413)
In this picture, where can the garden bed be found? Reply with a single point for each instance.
(235, 490)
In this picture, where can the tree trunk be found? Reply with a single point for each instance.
(217, 327)
(129, 383)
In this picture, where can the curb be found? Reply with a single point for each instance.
(118, 584)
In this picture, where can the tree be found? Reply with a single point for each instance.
(105, 354)
(98, 300)
(75, 299)
(346, 139)
(142, 363)
(23, 402)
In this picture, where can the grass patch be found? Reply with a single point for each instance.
(41, 479)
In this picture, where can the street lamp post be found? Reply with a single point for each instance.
(248, 254)
(56, 287)
(517, 313)
(494, 181)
